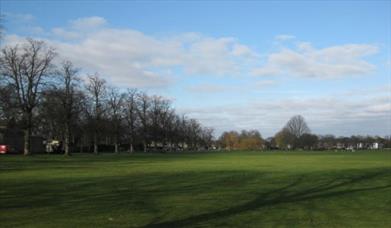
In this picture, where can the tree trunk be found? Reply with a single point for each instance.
(145, 146)
(131, 148)
(27, 134)
(95, 143)
(116, 148)
(95, 148)
(67, 139)
(27, 142)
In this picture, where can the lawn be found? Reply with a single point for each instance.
(220, 189)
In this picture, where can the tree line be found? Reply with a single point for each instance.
(297, 135)
(50, 99)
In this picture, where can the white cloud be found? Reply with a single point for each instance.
(36, 30)
(124, 57)
(19, 17)
(284, 37)
(305, 46)
(264, 84)
(324, 114)
(66, 34)
(265, 71)
(13, 40)
(208, 88)
(22, 22)
(88, 23)
(137, 58)
(331, 62)
(132, 58)
(220, 87)
(243, 50)
(216, 56)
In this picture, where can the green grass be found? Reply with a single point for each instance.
(221, 189)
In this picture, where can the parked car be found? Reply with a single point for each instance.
(3, 149)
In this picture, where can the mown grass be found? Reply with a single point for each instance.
(221, 189)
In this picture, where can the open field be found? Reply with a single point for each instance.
(220, 189)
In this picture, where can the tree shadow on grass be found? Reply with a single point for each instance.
(292, 192)
(105, 193)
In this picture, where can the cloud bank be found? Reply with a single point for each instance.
(133, 58)
(325, 63)
(333, 114)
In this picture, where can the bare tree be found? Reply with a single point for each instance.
(207, 137)
(96, 88)
(168, 127)
(50, 120)
(160, 115)
(8, 105)
(193, 133)
(284, 139)
(115, 103)
(293, 131)
(59, 112)
(144, 105)
(308, 141)
(174, 131)
(83, 117)
(297, 126)
(184, 131)
(25, 70)
(131, 116)
(68, 80)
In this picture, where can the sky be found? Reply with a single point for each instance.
(232, 65)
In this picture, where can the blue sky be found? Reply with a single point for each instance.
(231, 64)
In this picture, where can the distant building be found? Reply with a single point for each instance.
(360, 145)
(340, 146)
(376, 146)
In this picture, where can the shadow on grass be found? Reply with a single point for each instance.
(131, 194)
(115, 191)
(292, 192)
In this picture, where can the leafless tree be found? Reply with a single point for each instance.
(131, 116)
(96, 89)
(27, 92)
(68, 83)
(8, 104)
(308, 141)
(160, 115)
(297, 126)
(285, 139)
(168, 127)
(115, 103)
(144, 104)
(207, 137)
(25, 70)
(183, 131)
(193, 133)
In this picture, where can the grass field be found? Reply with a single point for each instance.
(220, 189)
